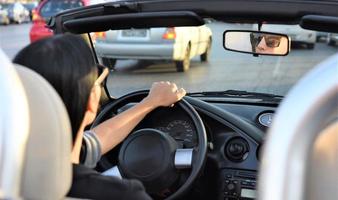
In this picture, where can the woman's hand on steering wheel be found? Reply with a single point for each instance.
(164, 94)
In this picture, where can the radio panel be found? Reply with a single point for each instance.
(238, 185)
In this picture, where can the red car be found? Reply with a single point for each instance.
(45, 10)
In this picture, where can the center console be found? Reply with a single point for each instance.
(238, 185)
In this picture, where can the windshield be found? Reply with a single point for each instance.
(142, 56)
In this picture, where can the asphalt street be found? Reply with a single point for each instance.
(14, 37)
(225, 70)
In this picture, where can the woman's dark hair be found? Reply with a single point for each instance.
(67, 63)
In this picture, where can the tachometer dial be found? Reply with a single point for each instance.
(182, 131)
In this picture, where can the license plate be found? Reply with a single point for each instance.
(134, 33)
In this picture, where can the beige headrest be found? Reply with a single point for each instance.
(47, 168)
(14, 125)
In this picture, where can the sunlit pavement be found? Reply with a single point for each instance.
(14, 37)
(225, 70)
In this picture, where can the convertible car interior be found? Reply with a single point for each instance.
(211, 145)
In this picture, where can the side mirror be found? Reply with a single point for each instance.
(258, 43)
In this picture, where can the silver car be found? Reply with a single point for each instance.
(17, 13)
(177, 44)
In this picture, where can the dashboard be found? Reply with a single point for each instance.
(233, 155)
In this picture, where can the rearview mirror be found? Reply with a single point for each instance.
(254, 42)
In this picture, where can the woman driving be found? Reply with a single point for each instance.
(67, 63)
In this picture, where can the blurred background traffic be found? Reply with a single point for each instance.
(191, 56)
(34, 16)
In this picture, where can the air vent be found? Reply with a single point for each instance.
(236, 149)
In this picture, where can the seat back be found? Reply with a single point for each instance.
(47, 169)
(300, 158)
(14, 125)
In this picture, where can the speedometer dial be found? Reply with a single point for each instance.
(183, 132)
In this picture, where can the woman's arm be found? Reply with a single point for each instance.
(114, 130)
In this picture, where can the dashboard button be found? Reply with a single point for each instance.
(231, 187)
(244, 183)
(236, 149)
(253, 184)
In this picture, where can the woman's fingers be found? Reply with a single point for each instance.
(181, 93)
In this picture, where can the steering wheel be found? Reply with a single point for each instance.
(153, 156)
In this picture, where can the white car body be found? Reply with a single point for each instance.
(18, 13)
(198, 37)
(151, 44)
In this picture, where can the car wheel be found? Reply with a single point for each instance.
(184, 65)
(310, 46)
(109, 62)
(205, 56)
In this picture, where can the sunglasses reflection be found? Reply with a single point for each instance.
(266, 43)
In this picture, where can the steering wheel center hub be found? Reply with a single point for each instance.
(147, 155)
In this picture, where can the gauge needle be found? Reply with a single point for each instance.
(269, 119)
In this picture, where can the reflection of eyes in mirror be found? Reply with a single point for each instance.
(270, 41)
(256, 42)
(267, 44)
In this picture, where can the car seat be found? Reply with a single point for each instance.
(300, 158)
(14, 125)
(42, 169)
